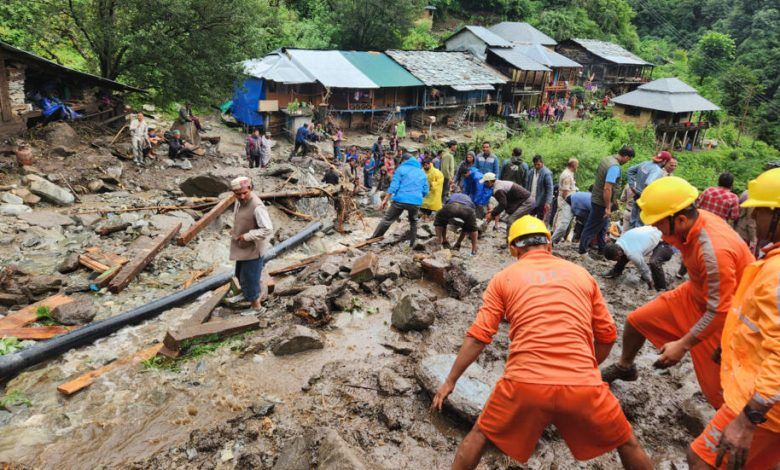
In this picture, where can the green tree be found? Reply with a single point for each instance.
(712, 54)
(564, 23)
(373, 24)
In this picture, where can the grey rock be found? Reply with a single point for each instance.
(87, 220)
(96, 186)
(210, 184)
(392, 412)
(695, 413)
(14, 209)
(46, 219)
(312, 302)
(449, 307)
(69, 264)
(336, 454)
(471, 392)
(44, 284)
(390, 383)
(294, 455)
(410, 268)
(329, 269)
(50, 191)
(78, 312)
(60, 134)
(183, 164)
(413, 312)
(297, 339)
(114, 171)
(29, 198)
(9, 198)
(166, 222)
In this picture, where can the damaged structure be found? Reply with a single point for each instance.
(606, 65)
(27, 80)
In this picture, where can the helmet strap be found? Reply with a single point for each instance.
(671, 225)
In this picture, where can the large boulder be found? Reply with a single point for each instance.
(471, 392)
(336, 454)
(413, 312)
(297, 339)
(14, 209)
(61, 136)
(210, 184)
(50, 191)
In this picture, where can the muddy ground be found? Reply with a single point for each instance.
(242, 406)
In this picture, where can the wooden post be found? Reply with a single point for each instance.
(674, 139)
(5, 97)
(137, 264)
(206, 220)
(695, 136)
(685, 139)
(663, 141)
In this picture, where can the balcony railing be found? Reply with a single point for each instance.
(682, 127)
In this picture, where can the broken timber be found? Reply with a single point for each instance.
(311, 192)
(104, 278)
(29, 313)
(204, 221)
(83, 381)
(174, 339)
(197, 275)
(100, 260)
(109, 229)
(203, 312)
(307, 261)
(131, 269)
(38, 333)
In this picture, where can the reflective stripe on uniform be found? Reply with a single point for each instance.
(713, 282)
(753, 327)
(764, 401)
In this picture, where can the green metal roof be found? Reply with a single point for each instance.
(381, 69)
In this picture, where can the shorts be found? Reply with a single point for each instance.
(668, 318)
(457, 211)
(589, 418)
(764, 449)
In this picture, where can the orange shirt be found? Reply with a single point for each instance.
(750, 363)
(715, 256)
(555, 311)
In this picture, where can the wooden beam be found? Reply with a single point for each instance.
(96, 266)
(137, 264)
(29, 313)
(307, 261)
(311, 192)
(106, 277)
(105, 257)
(83, 381)
(203, 312)
(5, 97)
(109, 229)
(206, 220)
(174, 339)
(37, 333)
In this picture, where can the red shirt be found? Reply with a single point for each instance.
(720, 201)
(555, 312)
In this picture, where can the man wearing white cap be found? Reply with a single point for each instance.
(249, 238)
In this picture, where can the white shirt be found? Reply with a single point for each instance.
(139, 129)
(534, 181)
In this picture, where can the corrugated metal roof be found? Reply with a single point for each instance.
(610, 51)
(278, 68)
(382, 70)
(330, 68)
(545, 56)
(446, 68)
(489, 37)
(670, 95)
(521, 33)
(519, 60)
(472, 87)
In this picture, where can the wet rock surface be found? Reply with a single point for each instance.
(297, 339)
(413, 312)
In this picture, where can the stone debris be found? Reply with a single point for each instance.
(294, 455)
(413, 312)
(364, 268)
(78, 312)
(471, 392)
(14, 209)
(297, 339)
(336, 454)
(50, 191)
(46, 219)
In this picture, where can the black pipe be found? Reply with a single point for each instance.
(12, 364)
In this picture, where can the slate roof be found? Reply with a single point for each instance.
(442, 68)
(610, 51)
(487, 36)
(545, 56)
(521, 33)
(670, 95)
(381, 69)
(518, 60)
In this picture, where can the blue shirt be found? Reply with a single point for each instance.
(410, 183)
(301, 134)
(613, 174)
(641, 175)
(460, 198)
(580, 204)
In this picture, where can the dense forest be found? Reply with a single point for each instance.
(189, 49)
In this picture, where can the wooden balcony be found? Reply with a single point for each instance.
(616, 79)
(681, 127)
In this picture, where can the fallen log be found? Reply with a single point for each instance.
(83, 381)
(131, 269)
(311, 192)
(203, 312)
(109, 229)
(206, 220)
(174, 339)
(293, 213)
(11, 364)
(29, 313)
(201, 206)
(37, 333)
(307, 261)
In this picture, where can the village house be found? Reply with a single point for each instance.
(28, 81)
(606, 65)
(671, 106)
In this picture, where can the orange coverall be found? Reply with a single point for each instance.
(555, 312)
(715, 256)
(750, 366)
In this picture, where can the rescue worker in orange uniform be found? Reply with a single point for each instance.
(690, 317)
(560, 330)
(745, 432)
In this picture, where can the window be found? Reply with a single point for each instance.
(632, 111)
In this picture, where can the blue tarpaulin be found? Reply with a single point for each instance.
(245, 101)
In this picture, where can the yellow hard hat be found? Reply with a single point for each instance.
(526, 225)
(665, 197)
(764, 191)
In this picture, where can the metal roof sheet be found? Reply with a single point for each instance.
(330, 68)
(472, 87)
(610, 51)
(519, 60)
(446, 68)
(521, 33)
(490, 38)
(670, 95)
(545, 56)
(382, 70)
(278, 68)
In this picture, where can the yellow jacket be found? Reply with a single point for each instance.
(750, 366)
(435, 185)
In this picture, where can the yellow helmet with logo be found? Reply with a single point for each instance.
(764, 191)
(527, 225)
(665, 197)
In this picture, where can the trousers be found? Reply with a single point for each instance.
(248, 273)
(595, 226)
(393, 213)
(565, 215)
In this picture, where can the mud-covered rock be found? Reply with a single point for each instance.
(449, 307)
(78, 312)
(297, 339)
(69, 264)
(471, 392)
(458, 282)
(312, 302)
(336, 454)
(294, 455)
(60, 134)
(413, 312)
(210, 184)
(44, 284)
(410, 268)
(390, 383)
(695, 414)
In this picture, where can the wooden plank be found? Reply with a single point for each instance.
(307, 261)
(203, 312)
(111, 228)
(105, 257)
(96, 266)
(197, 275)
(29, 313)
(5, 98)
(42, 332)
(83, 381)
(131, 269)
(206, 220)
(106, 277)
(173, 339)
